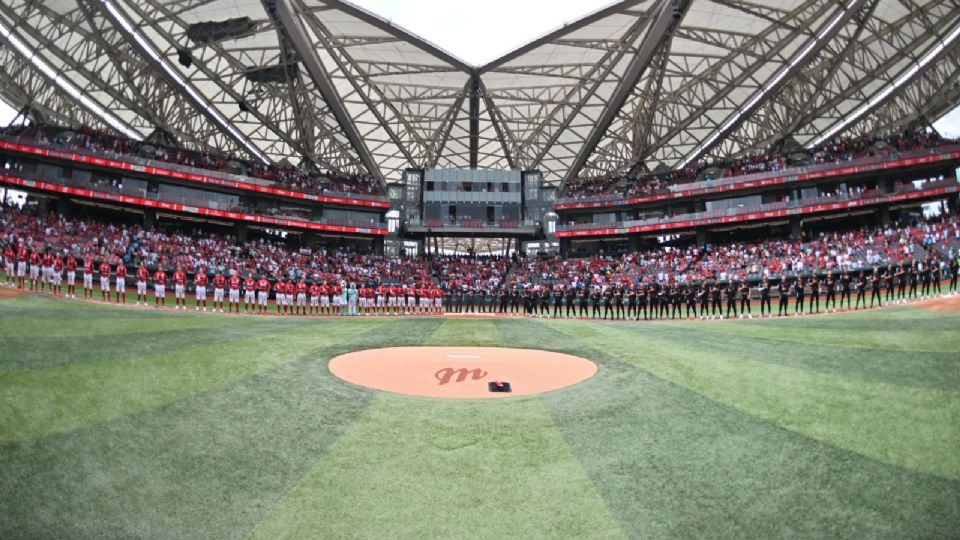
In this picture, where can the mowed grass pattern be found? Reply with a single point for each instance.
(140, 423)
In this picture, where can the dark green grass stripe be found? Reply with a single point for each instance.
(672, 463)
(906, 426)
(904, 368)
(39, 402)
(208, 466)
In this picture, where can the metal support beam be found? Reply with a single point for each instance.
(139, 42)
(667, 17)
(474, 120)
(298, 36)
(797, 63)
(501, 130)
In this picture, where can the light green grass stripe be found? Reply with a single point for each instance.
(884, 335)
(40, 402)
(135, 323)
(464, 332)
(411, 468)
(910, 427)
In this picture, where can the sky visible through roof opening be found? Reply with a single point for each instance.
(478, 32)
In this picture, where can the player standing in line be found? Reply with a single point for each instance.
(391, 292)
(889, 281)
(279, 294)
(901, 277)
(765, 298)
(249, 294)
(142, 276)
(381, 299)
(71, 266)
(200, 288)
(22, 255)
(88, 277)
(159, 287)
(314, 298)
(289, 294)
(438, 300)
(731, 294)
(914, 277)
(845, 282)
(121, 284)
(56, 274)
(10, 265)
(411, 296)
(798, 290)
(745, 299)
(861, 286)
(814, 292)
(263, 294)
(830, 285)
(783, 289)
(703, 298)
(104, 281)
(954, 270)
(46, 263)
(935, 277)
(34, 270)
(875, 284)
(180, 287)
(336, 297)
(324, 298)
(301, 297)
(233, 292)
(219, 282)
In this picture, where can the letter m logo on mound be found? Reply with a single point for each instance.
(445, 375)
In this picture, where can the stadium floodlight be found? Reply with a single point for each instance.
(65, 85)
(144, 46)
(903, 79)
(824, 35)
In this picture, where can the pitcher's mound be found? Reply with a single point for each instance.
(461, 372)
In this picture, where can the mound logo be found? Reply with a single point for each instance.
(446, 375)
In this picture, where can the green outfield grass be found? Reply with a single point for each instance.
(144, 423)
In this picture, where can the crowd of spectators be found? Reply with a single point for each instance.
(838, 150)
(287, 177)
(835, 251)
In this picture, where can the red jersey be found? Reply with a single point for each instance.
(249, 284)
(179, 278)
(324, 290)
(71, 264)
(219, 281)
(302, 287)
(291, 287)
(337, 290)
(280, 287)
(160, 277)
(47, 259)
(143, 274)
(88, 266)
(379, 291)
(314, 290)
(104, 269)
(200, 280)
(235, 283)
(9, 255)
(396, 291)
(22, 254)
(58, 265)
(34, 258)
(263, 285)
(121, 271)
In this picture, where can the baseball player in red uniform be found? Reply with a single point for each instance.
(10, 264)
(219, 282)
(34, 270)
(180, 288)
(291, 291)
(104, 281)
(263, 293)
(22, 256)
(56, 274)
(46, 264)
(314, 298)
(324, 298)
(142, 276)
(301, 297)
(88, 277)
(159, 288)
(249, 294)
(234, 295)
(71, 276)
(121, 283)
(280, 293)
(200, 287)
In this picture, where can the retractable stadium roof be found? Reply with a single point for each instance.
(645, 82)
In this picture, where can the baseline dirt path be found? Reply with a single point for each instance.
(943, 305)
(461, 372)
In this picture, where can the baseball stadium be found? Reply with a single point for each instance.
(300, 269)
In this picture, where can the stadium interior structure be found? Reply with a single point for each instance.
(646, 123)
